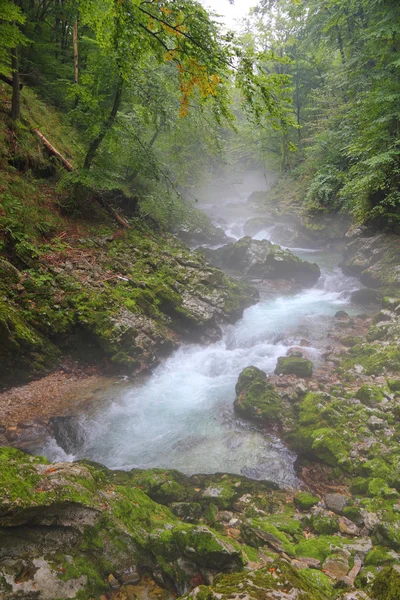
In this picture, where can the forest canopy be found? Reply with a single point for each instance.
(161, 95)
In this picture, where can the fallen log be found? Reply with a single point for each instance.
(53, 151)
(9, 81)
(68, 167)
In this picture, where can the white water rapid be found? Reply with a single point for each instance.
(182, 415)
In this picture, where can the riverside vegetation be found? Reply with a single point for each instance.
(128, 298)
(90, 275)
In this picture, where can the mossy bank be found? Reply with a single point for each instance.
(165, 535)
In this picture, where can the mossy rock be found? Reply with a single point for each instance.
(320, 547)
(260, 532)
(325, 525)
(267, 582)
(351, 340)
(294, 365)
(305, 500)
(370, 395)
(373, 358)
(394, 385)
(379, 557)
(190, 512)
(108, 525)
(9, 275)
(24, 352)
(257, 399)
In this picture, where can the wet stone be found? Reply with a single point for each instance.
(336, 567)
(347, 526)
(336, 502)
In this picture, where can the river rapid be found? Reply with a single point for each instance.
(182, 416)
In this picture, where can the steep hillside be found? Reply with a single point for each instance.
(73, 282)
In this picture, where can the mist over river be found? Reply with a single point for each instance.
(182, 415)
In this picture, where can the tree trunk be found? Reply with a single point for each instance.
(95, 144)
(340, 43)
(76, 56)
(53, 151)
(16, 95)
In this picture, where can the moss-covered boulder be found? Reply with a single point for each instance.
(68, 530)
(370, 395)
(24, 352)
(294, 365)
(305, 500)
(260, 259)
(257, 399)
(277, 580)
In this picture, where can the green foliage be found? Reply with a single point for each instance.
(343, 60)
(11, 36)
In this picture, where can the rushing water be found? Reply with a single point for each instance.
(182, 416)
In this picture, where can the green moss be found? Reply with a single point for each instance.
(263, 582)
(305, 500)
(250, 553)
(378, 487)
(163, 486)
(257, 399)
(329, 447)
(293, 365)
(351, 340)
(375, 359)
(211, 514)
(378, 557)
(264, 525)
(318, 579)
(319, 547)
(325, 525)
(359, 485)
(353, 513)
(287, 524)
(386, 585)
(80, 566)
(23, 350)
(394, 385)
(371, 395)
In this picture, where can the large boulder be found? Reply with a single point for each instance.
(260, 259)
(294, 365)
(72, 530)
(257, 399)
(374, 256)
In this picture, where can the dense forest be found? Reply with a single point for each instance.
(199, 300)
(159, 95)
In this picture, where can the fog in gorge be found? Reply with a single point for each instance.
(182, 415)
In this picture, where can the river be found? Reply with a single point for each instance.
(182, 415)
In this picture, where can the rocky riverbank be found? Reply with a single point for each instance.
(116, 302)
(121, 298)
(159, 534)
